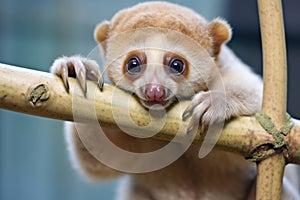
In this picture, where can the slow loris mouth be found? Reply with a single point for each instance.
(156, 105)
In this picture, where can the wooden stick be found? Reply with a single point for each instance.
(270, 171)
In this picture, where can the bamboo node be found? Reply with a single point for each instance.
(38, 94)
(265, 150)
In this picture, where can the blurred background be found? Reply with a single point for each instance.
(33, 159)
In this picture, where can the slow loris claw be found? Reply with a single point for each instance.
(78, 67)
(207, 108)
(187, 113)
(64, 75)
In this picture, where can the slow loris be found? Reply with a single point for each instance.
(162, 53)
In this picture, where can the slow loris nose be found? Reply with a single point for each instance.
(154, 92)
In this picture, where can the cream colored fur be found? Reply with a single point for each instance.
(220, 175)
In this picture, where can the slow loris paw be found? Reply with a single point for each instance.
(207, 108)
(81, 68)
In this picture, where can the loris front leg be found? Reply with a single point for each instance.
(236, 91)
(83, 69)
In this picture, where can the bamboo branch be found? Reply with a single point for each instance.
(270, 170)
(43, 94)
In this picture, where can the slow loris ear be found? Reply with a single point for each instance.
(220, 31)
(100, 33)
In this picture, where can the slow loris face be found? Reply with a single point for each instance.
(158, 65)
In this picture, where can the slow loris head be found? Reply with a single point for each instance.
(161, 51)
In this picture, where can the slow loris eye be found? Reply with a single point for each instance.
(176, 66)
(133, 65)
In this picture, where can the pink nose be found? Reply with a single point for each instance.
(154, 92)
